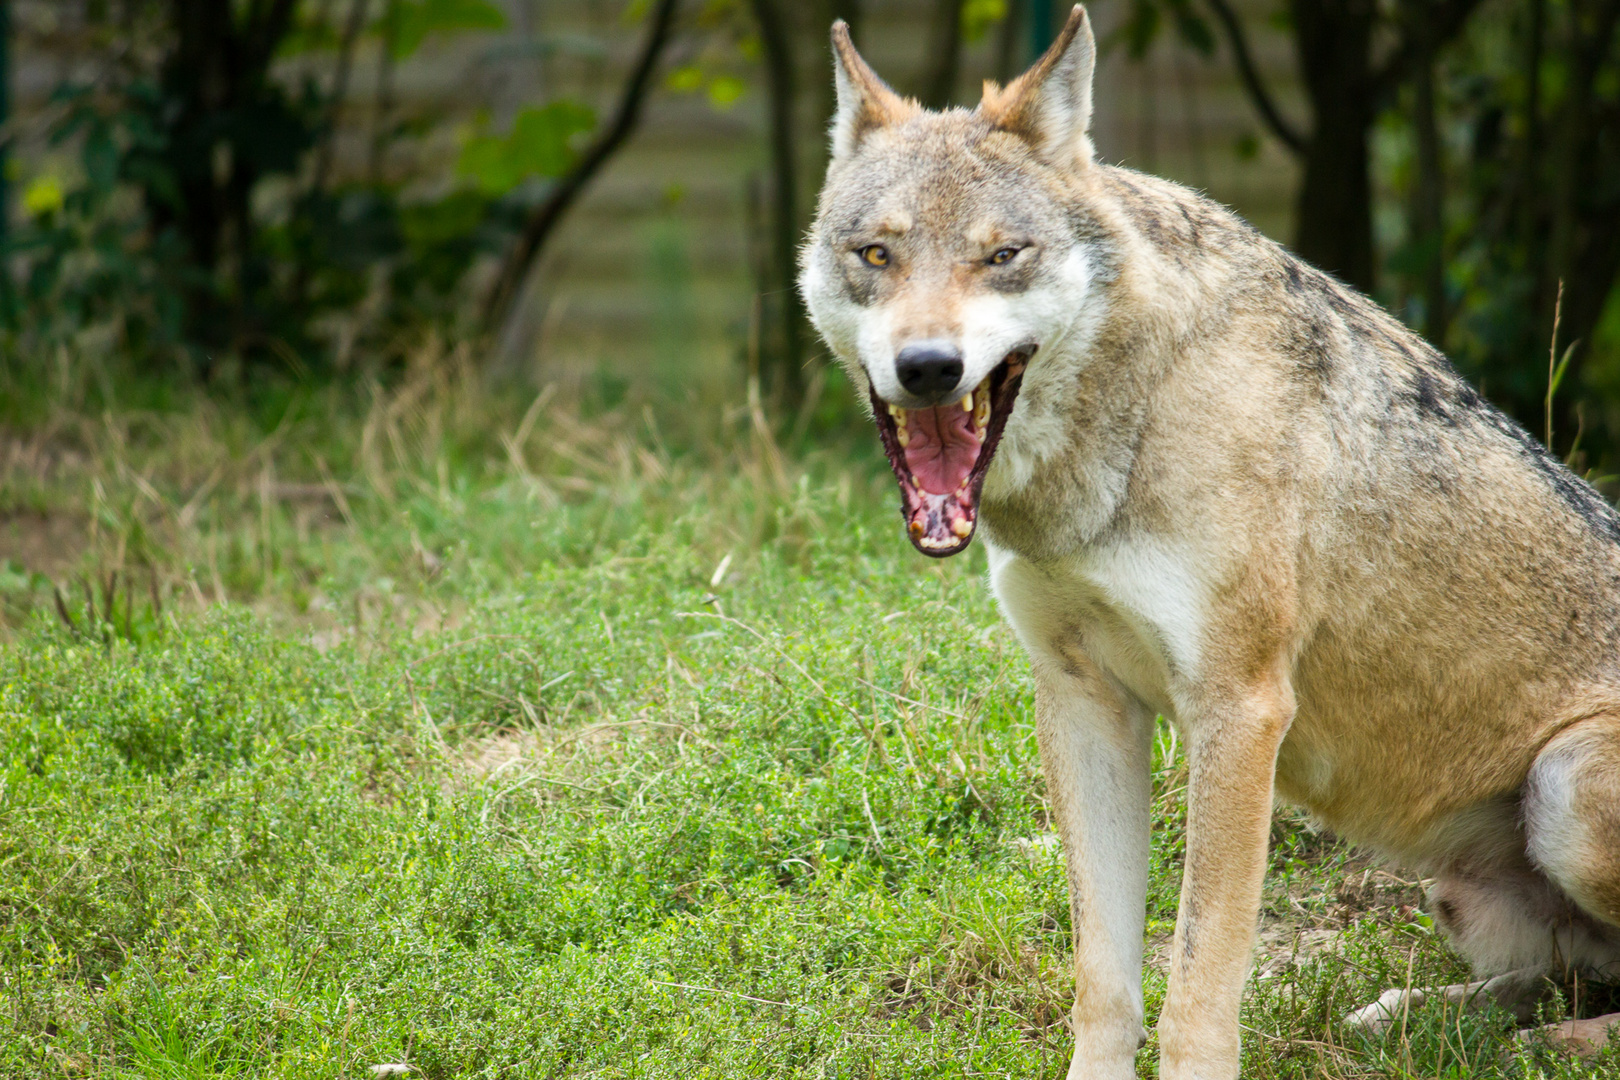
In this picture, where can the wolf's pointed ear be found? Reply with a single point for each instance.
(1049, 105)
(865, 101)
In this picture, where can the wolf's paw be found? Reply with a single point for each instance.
(1375, 1019)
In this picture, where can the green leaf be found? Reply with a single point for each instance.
(447, 219)
(1141, 28)
(725, 90)
(979, 15)
(685, 79)
(1557, 377)
(540, 144)
(414, 20)
(100, 156)
(43, 197)
(1191, 27)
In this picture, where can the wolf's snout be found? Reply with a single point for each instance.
(930, 370)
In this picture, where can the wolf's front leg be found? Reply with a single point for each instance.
(1231, 756)
(1095, 745)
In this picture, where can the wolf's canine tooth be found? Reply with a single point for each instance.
(967, 402)
(961, 527)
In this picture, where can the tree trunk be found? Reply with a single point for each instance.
(1041, 25)
(784, 375)
(1581, 249)
(326, 147)
(1010, 49)
(383, 109)
(850, 12)
(5, 120)
(216, 77)
(1427, 227)
(1334, 226)
(944, 55)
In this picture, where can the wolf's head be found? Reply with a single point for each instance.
(944, 257)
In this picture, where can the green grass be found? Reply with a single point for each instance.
(629, 746)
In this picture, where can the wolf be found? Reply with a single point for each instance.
(1215, 484)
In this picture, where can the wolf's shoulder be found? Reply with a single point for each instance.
(1173, 216)
(1365, 367)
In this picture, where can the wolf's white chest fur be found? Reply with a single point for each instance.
(1136, 608)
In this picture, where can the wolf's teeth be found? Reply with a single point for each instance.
(967, 402)
(916, 528)
(898, 413)
(903, 437)
(961, 527)
(981, 412)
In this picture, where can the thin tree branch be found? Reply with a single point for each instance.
(945, 46)
(1426, 212)
(783, 378)
(340, 91)
(263, 34)
(1286, 133)
(1445, 21)
(827, 100)
(1008, 41)
(544, 218)
(384, 104)
(255, 13)
(849, 11)
(326, 145)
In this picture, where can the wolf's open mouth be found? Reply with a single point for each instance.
(940, 456)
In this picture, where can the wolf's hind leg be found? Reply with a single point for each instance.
(1512, 923)
(1517, 991)
(1557, 913)
(1572, 820)
(1572, 816)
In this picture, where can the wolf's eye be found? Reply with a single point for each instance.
(874, 255)
(1004, 255)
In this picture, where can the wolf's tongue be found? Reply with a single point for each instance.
(942, 448)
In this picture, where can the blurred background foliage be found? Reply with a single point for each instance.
(248, 194)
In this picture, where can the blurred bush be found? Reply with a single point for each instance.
(1461, 162)
(209, 227)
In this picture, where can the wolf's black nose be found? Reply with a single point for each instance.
(929, 370)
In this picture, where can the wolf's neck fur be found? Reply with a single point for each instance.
(1071, 444)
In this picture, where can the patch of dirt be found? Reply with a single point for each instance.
(967, 971)
(49, 544)
(567, 755)
(500, 752)
(1281, 947)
